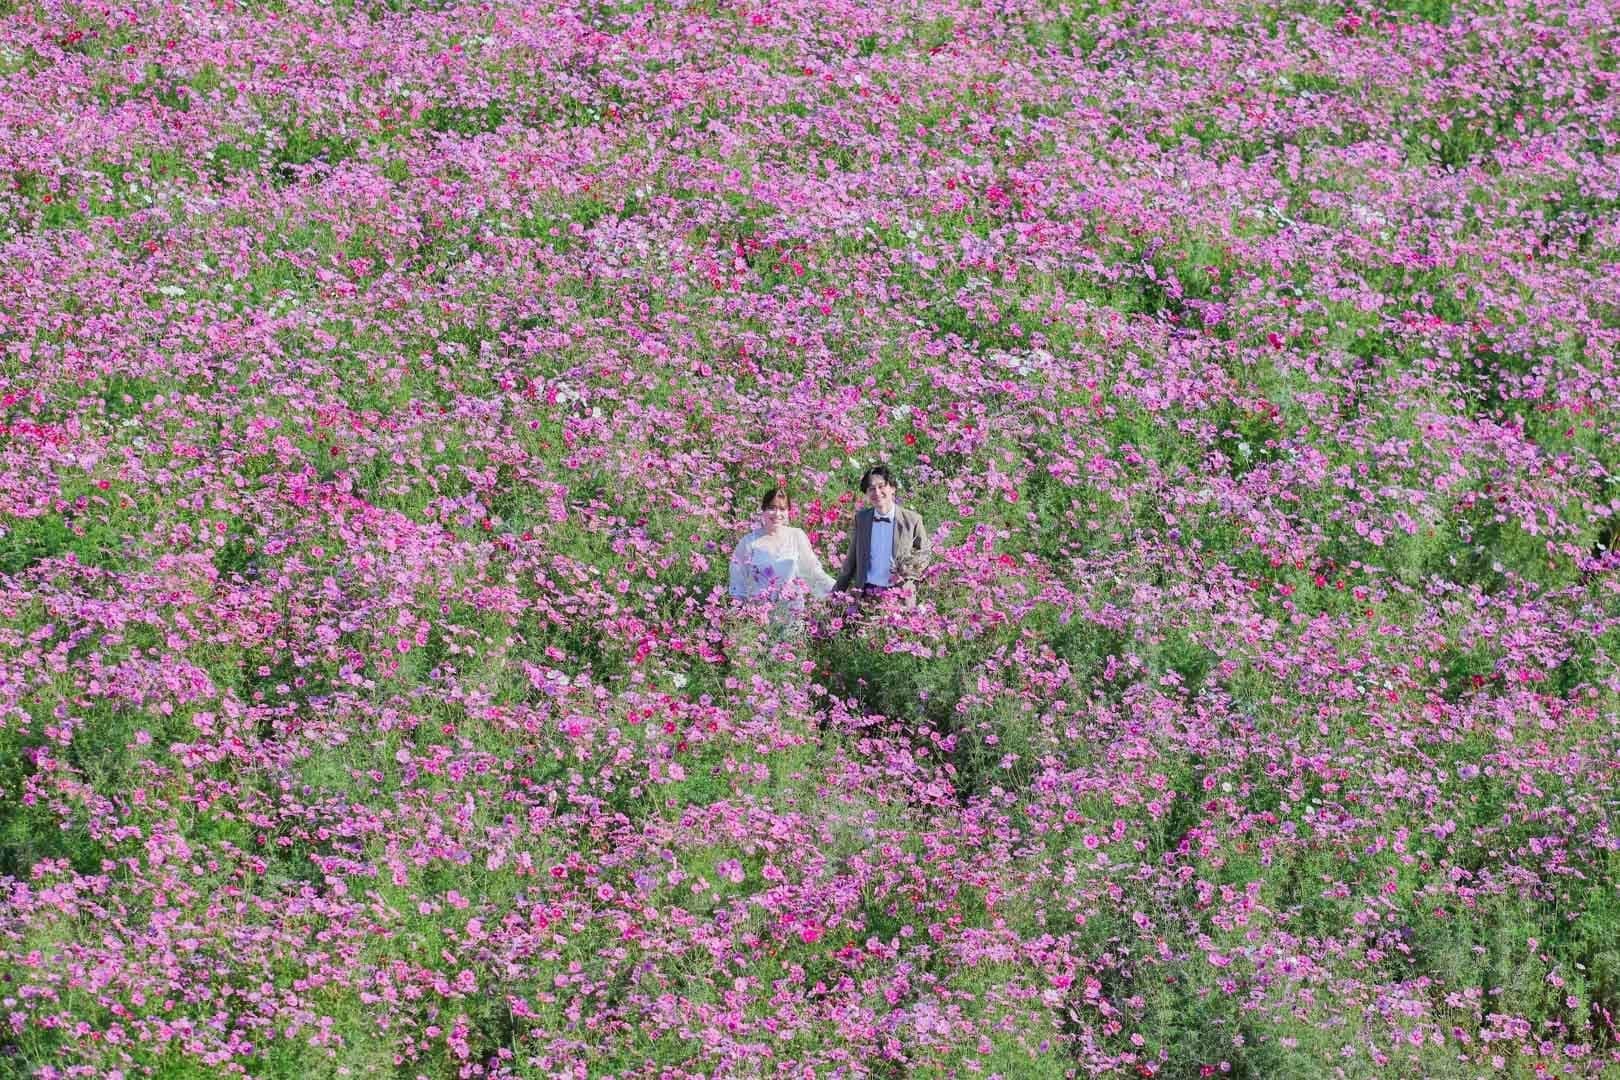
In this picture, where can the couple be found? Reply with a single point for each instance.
(888, 548)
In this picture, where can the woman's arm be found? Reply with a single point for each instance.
(739, 569)
(820, 582)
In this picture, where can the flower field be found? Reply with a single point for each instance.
(384, 385)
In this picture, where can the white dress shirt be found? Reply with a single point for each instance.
(880, 553)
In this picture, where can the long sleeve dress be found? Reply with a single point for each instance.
(784, 566)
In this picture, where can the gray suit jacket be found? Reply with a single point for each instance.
(912, 551)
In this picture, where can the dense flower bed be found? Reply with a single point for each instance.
(385, 384)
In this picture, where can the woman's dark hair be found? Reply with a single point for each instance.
(772, 492)
(880, 471)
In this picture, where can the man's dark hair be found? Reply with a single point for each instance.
(880, 471)
(770, 496)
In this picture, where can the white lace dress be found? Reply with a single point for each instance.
(782, 566)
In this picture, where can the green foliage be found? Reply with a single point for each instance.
(125, 395)
(918, 695)
(1433, 11)
(29, 541)
(1067, 36)
(465, 120)
(1460, 144)
(29, 831)
(1489, 950)
(555, 223)
(1087, 647)
(282, 161)
(235, 558)
(226, 160)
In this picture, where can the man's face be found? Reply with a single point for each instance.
(880, 494)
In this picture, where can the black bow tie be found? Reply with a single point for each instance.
(880, 517)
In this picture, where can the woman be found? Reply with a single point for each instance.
(776, 561)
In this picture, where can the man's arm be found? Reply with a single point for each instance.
(846, 575)
(912, 563)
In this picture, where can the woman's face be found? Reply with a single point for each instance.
(775, 514)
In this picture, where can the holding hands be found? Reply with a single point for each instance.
(888, 550)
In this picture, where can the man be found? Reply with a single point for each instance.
(888, 546)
